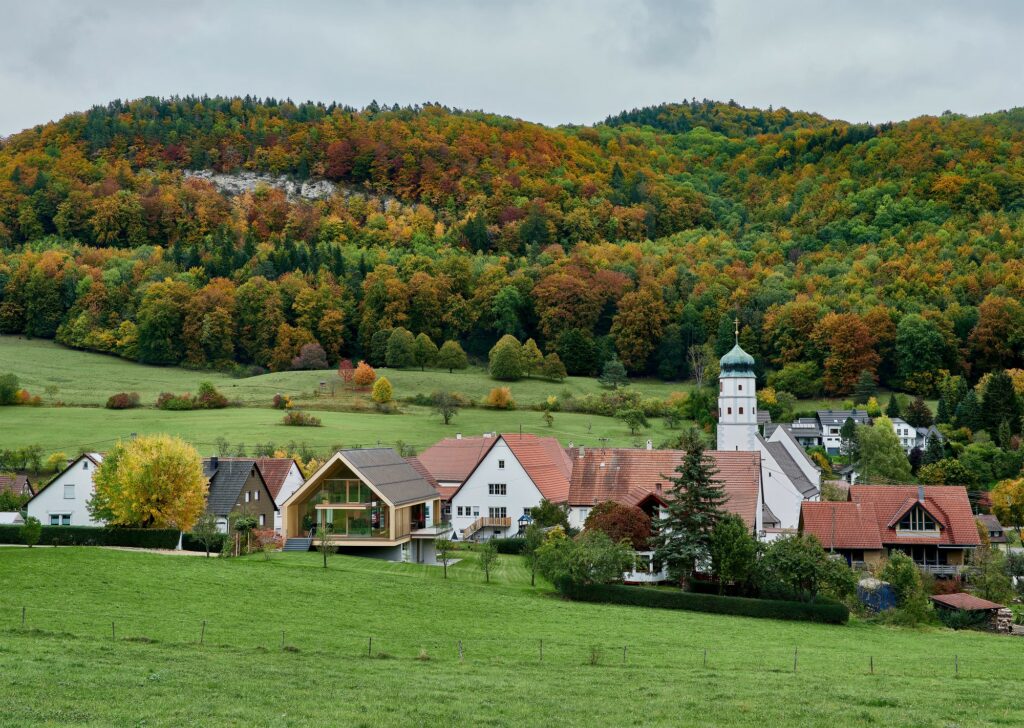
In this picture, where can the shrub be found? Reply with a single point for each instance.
(818, 611)
(298, 418)
(168, 401)
(960, 619)
(513, 546)
(500, 398)
(123, 401)
(8, 389)
(189, 542)
(364, 375)
(382, 391)
(346, 371)
(209, 397)
(30, 531)
(553, 368)
(620, 521)
(451, 356)
(149, 538)
(282, 402)
(590, 558)
(311, 356)
(505, 359)
(912, 605)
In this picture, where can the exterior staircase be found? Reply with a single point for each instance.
(483, 522)
(297, 544)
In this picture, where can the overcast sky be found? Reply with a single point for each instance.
(554, 62)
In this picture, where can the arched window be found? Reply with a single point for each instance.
(728, 410)
(741, 410)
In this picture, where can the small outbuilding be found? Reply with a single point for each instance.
(975, 610)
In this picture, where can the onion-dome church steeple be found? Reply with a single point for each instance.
(737, 400)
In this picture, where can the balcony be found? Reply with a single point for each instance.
(438, 529)
(940, 569)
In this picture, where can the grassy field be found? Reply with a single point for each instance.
(85, 378)
(66, 668)
(74, 429)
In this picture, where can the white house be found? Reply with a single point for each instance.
(64, 501)
(11, 518)
(515, 473)
(905, 433)
(788, 477)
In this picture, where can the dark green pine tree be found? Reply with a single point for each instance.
(918, 413)
(968, 412)
(893, 408)
(696, 503)
(726, 338)
(849, 443)
(934, 450)
(865, 388)
(942, 411)
(999, 402)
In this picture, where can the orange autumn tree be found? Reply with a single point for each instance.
(152, 481)
(849, 350)
(638, 327)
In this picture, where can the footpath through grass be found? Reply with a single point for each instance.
(65, 667)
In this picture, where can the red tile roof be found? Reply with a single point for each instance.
(17, 484)
(421, 469)
(453, 459)
(274, 471)
(962, 600)
(845, 525)
(629, 475)
(545, 461)
(947, 504)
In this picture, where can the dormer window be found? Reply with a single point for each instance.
(917, 519)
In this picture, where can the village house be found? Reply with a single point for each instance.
(282, 476)
(369, 502)
(933, 525)
(17, 484)
(515, 472)
(450, 461)
(996, 533)
(65, 500)
(237, 486)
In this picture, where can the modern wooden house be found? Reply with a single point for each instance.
(932, 524)
(369, 502)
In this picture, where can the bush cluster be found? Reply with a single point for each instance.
(207, 398)
(817, 611)
(123, 401)
(282, 402)
(513, 545)
(191, 543)
(146, 538)
(298, 418)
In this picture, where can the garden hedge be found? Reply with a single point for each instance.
(512, 546)
(146, 538)
(191, 543)
(818, 611)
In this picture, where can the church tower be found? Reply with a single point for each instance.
(737, 400)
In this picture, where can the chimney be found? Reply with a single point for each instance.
(582, 452)
(458, 435)
(650, 445)
(920, 494)
(214, 461)
(570, 444)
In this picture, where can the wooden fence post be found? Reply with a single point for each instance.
(624, 654)
(705, 657)
(871, 664)
(460, 650)
(202, 633)
(542, 650)
(23, 617)
(113, 634)
(369, 648)
(795, 651)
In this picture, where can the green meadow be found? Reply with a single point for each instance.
(117, 638)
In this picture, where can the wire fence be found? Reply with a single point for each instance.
(312, 638)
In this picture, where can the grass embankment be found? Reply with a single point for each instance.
(65, 668)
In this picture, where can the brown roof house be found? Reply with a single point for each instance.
(370, 502)
(996, 533)
(931, 524)
(640, 477)
(18, 485)
(237, 486)
(509, 475)
(282, 476)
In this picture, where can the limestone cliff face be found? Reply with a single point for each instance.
(242, 182)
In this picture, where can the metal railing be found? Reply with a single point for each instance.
(484, 522)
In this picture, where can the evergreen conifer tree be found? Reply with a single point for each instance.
(893, 408)
(614, 374)
(865, 388)
(695, 506)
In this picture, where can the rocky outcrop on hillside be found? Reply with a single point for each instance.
(242, 182)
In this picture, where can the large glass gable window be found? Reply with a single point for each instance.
(917, 519)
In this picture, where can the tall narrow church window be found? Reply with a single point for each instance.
(741, 387)
(728, 410)
(741, 410)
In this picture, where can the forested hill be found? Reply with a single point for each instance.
(896, 249)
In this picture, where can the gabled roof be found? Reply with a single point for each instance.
(627, 475)
(843, 525)
(962, 600)
(94, 457)
(453, 459)
(788, 433)
(17, 484)
(992, 525)
(227, 478)
(545, 461)
(390, 475)
(274, 471)
(837, 418)
(947, 504)
(421, 469)
(790, 468)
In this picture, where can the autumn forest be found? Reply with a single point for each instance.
(894, 249)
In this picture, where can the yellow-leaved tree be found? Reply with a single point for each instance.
(152, 481)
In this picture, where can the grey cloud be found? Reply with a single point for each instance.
(572, 61)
